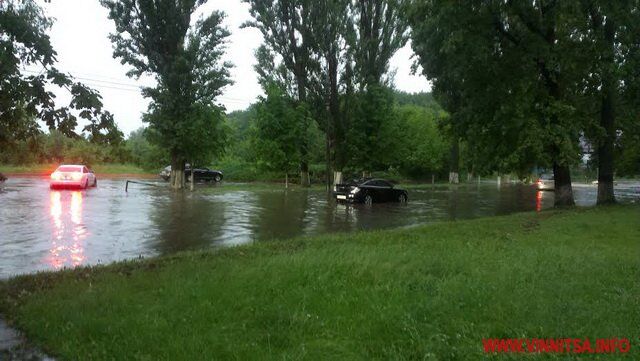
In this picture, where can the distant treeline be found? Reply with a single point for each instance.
(412, 145)
(408, 144)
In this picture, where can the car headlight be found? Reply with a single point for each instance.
(355, 190)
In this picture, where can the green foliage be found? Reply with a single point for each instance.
(422, 150)
(409, 142)
(368, 145)
(428, 292)
(280, 132)
(25, 97)
(523, 80)
(145, 154)
(55, 147)
(381, 32)
(239, 124)
(628, 151)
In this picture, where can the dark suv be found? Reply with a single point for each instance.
(200, 174)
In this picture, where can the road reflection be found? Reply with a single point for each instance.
(42, 229)
(69, 231)
(538, 201)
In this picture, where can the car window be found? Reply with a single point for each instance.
(384, 183)
(66, 168)
(85, 170)
(377, 183)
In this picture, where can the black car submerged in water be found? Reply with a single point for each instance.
(368, 191)
(200, 174)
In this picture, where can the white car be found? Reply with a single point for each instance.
(73, 176)
(545, 182)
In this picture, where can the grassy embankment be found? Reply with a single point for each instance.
(430, 292)
(46, 169)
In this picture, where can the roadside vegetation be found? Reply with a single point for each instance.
(426, 292)
(47, 169)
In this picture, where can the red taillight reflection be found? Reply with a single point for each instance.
(69, 231)
(539, 201)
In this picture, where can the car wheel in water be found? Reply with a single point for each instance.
(402, 198)
(217, 178)
(368, 200)
(86, 184)
(95, 182)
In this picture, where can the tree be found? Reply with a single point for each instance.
(24, 97)
(285, 26)
(411, 142)
(155, 38)
(607, 31)
(381, 31)
(279, 131)
(333, 30)
(507, 70)
(143, 153)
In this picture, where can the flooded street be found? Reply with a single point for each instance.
(44, 229)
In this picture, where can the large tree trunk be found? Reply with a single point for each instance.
(328, 160)
(305, 180)
(177, 179)
(334, 115)
(607, 122)
(562, 186)
(605, 152)
(304, 154)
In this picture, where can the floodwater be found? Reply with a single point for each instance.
(43, 229)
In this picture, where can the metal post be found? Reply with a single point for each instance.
(192, 177)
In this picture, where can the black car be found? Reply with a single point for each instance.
(200, 174)
(368, 191)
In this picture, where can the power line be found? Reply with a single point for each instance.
(135, 88)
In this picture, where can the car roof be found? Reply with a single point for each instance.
(376, 179)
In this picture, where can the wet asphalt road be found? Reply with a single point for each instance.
(43, 229)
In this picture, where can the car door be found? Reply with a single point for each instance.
(85, 175)
(386, 191)
(376, 190)
(206, 174)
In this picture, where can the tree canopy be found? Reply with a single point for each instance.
(514, 76)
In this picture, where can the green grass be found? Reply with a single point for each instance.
(430, 292)
(113, 168)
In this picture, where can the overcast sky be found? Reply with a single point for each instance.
(79, 35)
